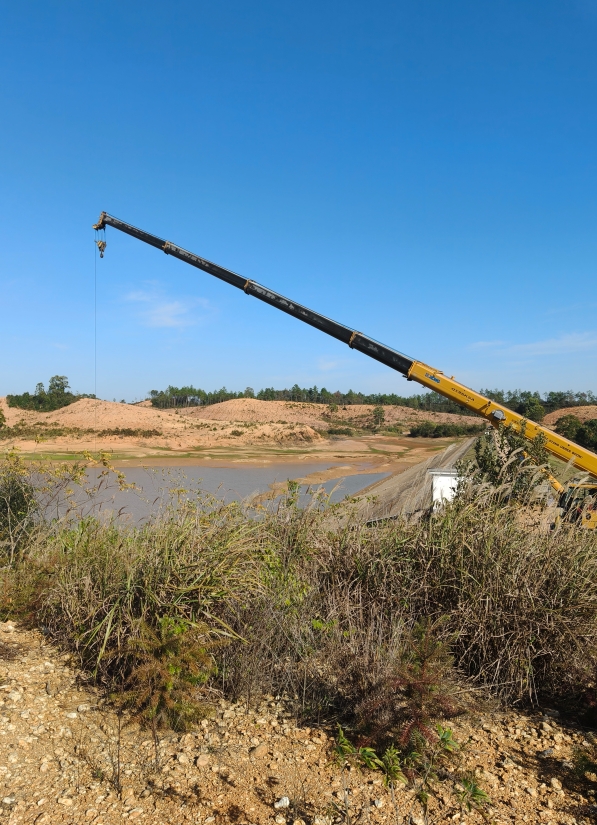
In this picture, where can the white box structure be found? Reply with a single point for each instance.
(443, 486)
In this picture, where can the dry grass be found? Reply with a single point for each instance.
(311, 604)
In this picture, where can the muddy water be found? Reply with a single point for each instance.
(157, 488)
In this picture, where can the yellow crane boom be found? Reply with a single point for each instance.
(413, 370)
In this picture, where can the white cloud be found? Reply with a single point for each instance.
(157, 310)
(574, 342)
(486, 344)
(326, 364)
(562, 345)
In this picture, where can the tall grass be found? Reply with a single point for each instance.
(313, 604)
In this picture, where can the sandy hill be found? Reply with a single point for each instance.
(582, 413)
(251, 410)
(90, 413)
(240, 422)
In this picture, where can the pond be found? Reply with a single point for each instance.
(157, 487)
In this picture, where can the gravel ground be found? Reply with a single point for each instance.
(60, 755)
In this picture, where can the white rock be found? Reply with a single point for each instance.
(283, 802)
(556, 784)
(379, 803)
(83, 708)
(280, 819)
(202, 760)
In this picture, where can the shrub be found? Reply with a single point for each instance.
(357, 622)
(340, 431)
(112, 586)
(584, 434)
(18, 508)
(379, 416)
(428, 429)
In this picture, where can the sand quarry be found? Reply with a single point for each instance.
(242, 431)
(245, 431)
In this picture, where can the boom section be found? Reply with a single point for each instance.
(497, 414)
(356, 340)
(414, 370)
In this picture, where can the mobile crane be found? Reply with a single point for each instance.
(577, 500)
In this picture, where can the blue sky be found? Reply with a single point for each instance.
(424, 172)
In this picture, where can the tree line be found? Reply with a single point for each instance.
(532, 405)
(57, 395)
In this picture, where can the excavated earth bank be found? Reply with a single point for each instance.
(59, 753)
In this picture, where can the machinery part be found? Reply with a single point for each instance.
(413, 370)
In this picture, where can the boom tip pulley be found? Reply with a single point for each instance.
(100, 234)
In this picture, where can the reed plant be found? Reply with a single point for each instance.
(311, 603)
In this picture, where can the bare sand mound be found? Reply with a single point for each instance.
(582, 413)
(251, 410)
(93, 413)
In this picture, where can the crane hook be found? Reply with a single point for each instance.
(101, 245)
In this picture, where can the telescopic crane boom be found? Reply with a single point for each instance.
(412, 369)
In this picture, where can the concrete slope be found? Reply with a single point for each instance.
(408, 492)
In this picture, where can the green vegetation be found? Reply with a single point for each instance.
(583, 433)
(340, 431)
(41, 431)
(529, 404)
(382, 629)
(429, 429)
(379, 416)
(534, 407)
(505, 458)
(304, 602)
(58, 395)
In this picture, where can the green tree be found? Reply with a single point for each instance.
(534, 410)
(379, 416)
(568, 426)
(58, 385)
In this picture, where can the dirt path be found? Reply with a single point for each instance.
(61, 757)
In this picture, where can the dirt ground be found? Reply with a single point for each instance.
(63, 760)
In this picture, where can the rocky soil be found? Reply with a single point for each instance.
(63, 759)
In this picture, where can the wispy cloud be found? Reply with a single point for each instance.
(158, 310)
(326, 364)
(486, 344)
(562, 345)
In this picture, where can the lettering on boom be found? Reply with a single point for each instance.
(468, 397)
